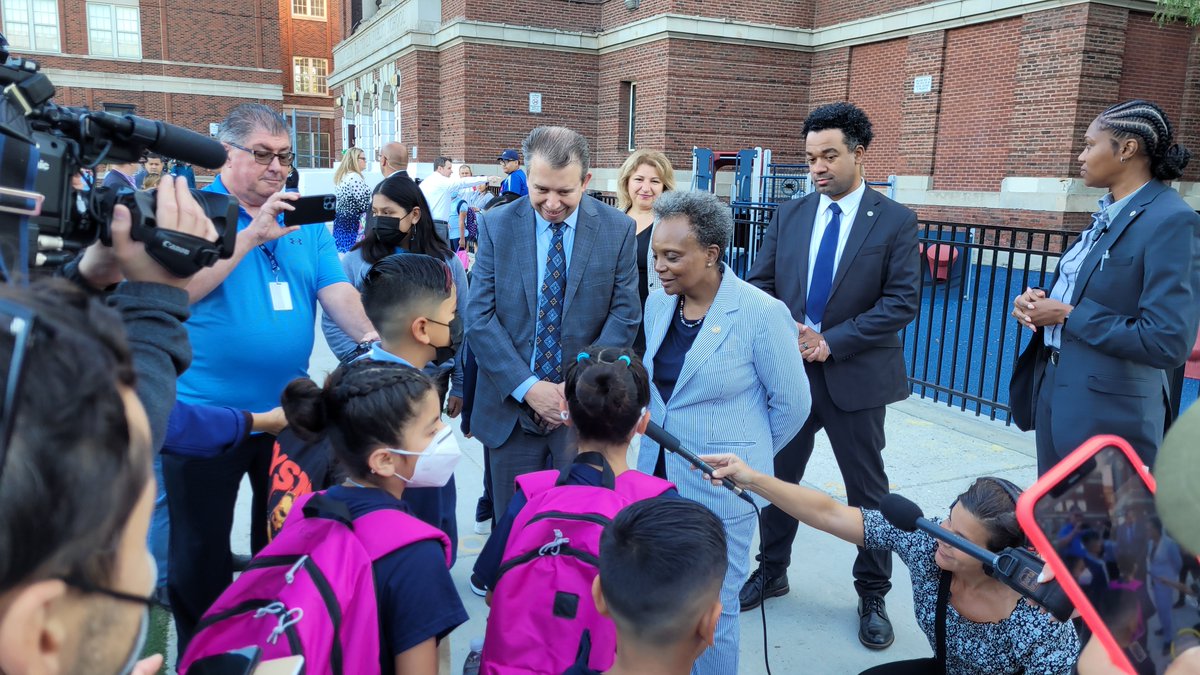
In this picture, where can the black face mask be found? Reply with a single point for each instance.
(387, 230)
(448, 352)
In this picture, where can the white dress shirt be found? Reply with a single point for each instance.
(440, 190)
(849, 205)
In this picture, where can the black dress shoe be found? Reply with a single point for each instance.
(753, 593)
(874, 627)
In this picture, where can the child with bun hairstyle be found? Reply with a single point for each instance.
(384, 422)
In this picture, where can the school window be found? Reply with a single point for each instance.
(312, 150)
(631, 115)
(32, 25)
(114, 30)
(309, 9)
(308, 75)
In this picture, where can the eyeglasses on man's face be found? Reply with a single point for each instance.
(264, 157)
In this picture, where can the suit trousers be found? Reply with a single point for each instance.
(1047, 455)
(525, 453)
(857, 439)
(201, 494)
(722, 658)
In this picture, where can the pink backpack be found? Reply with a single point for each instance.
(542, 602)
(311, 591)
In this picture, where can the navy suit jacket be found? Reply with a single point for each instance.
(601, 306)
(874, 293)
(1135, 312)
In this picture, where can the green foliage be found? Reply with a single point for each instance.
(1187, 11)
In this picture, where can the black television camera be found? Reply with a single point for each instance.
(69, 139)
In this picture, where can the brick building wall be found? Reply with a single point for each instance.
(878, 87)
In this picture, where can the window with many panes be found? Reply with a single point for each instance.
(32, 25)
(114, 30)
(308, 75)
(309, 9)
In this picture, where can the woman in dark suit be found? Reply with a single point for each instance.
(1123, 309)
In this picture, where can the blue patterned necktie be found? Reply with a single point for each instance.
(822, 276)
(548, 363)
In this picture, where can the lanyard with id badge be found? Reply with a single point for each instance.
(281, 295)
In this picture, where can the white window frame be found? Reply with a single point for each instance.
(307, 9)
(113, 29)
(29, 41)
(320, 79)
(631, 112)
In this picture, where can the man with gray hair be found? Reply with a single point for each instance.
(556, 271)
(252, 326)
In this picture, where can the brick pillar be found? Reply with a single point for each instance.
(919, 112)
(830, 78)
(420, 103)
(1068, 70)
(1187, 127)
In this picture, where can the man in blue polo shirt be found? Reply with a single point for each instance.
(510, 163)
(252, 325)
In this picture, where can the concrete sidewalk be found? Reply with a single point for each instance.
(932, 455)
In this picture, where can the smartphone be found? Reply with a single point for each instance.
(288, 665)
(1092, 518)
(236, 662)
(314, 209)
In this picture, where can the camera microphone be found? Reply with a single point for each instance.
(671, 444)
(1016, 568)
(165, 139)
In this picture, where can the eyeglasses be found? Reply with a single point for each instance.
(18, 321)
(264, 157)
(82, 585)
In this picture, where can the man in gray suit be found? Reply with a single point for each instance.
(844, 259)
(556, 271)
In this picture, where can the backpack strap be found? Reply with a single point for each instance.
(635, 485)
(537, 482)
(939, 626)
(380, 532)
(608, 479)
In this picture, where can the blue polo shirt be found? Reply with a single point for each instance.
(515, 182)
(245, 352)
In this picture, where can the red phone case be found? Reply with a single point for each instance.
(1041, 542)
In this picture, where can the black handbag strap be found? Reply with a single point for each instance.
(939, 626)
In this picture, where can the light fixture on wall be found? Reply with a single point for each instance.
(375, 88)
(338, 101)
(396, 80)
(632, 4)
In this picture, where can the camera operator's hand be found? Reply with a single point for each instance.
(265, 226)
(177, 210)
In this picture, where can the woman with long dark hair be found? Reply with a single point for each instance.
(1122, 310)
(400, 222)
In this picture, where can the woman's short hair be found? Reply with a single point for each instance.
(635, 161)
(708, 215)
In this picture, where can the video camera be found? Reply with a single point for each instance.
(62, 140)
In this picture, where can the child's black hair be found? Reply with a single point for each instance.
(402, 286)
(662, 562)
(607, 389)
(363, 406)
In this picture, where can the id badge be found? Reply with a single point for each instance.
(281, 296)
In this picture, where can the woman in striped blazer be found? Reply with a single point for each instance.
(727, 375)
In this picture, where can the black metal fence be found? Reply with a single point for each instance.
(962, 345)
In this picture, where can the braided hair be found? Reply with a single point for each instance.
(363, 406)
(607, 389)
(1146, 122)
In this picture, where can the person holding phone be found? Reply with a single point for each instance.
(1123, 308)
(990, 629)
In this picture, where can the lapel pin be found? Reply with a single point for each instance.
(716, 329)
(1132, 213)
(870, 214)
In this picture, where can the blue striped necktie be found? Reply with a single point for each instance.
(547, 365)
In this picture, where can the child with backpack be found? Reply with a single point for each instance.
(352, 582)
(662, 562)
(541, 560)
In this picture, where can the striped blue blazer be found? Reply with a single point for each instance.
(742, 388)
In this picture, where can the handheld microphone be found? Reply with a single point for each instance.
(671, 444)
(1016, 568)
(167, 139)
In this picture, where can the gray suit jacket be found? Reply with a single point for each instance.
(601, 305)
(742, 388)
(1136, 308)
(874, 294)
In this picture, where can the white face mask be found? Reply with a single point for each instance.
(1086, 578)
(436, 464)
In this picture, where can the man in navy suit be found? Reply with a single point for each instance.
(844, 259)
(556, 271)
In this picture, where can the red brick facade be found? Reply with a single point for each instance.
(1007, 97)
